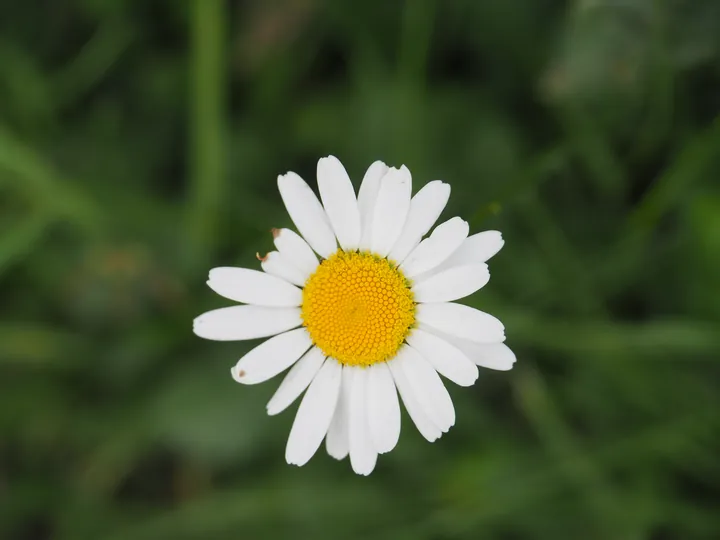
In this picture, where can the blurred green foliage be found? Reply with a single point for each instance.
(139, 145)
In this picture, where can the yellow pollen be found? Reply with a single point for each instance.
(358, 308)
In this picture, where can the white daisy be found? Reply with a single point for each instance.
(368, 320)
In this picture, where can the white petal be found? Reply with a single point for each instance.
(445, 357)
(292, 246)
(314, 414)
(422, 421)
(307, 213)
(276, 264)
(271, 357)
(383, 408)
(337, 442)
(367, 196)
(431, 392)
(296, 381)
(391, 209)
(253, 287)
(452, 284)
(425, 208)
(461, 321)
(488, 355)
(338, 197)
(477, 248)
(437, 247)
(245, 322)
(363, 455)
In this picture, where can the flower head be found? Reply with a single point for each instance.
(370, 319)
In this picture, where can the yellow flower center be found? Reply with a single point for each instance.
(358, 308)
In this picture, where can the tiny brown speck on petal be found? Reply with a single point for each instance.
(275, 232)
(241, 373)
(263, 258)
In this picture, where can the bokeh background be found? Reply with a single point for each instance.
(140, 141)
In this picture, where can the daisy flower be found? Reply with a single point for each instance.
(361, 309)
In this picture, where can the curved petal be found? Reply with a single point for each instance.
(296, 381)
(314, 414)
(367, 196)
(271, 357)
(245, 322)
(383, 408)
(391, 209)
(496, 356)
(437, 247)
(337, 442)
(307, 213)
(447, 359)
(477, 248)
(338, 197)
(422, 421)
(363, 455)
(452, 284)
(253, 287)
(425, 209)
(461, 321)
(431, 392)
(276, 264)
(297, 251)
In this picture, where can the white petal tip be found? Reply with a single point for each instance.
(466, 383)
(238, 374)
(445, 193)
(364, 469)
(498, 242)
(272, 411)
(215, 272)
(506, 367)
(285, 179)
(296, 462)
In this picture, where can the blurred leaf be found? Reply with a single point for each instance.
(43, 185)
(20, 241)
(24, 85)
(204, 413)
(688, 167)
(93, 62)
(36, 346)
(655, 339)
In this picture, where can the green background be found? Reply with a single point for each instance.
(140, 141)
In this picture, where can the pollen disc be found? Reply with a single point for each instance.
(358, 308)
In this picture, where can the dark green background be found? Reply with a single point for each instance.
(140, 141)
